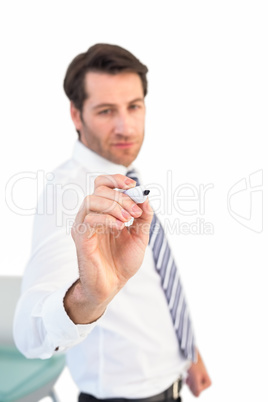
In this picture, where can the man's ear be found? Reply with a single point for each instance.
(76, 117)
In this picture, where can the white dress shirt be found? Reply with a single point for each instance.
(132, 350)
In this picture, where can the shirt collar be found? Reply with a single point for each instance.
(94, 162)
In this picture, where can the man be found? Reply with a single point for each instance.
(96, 294)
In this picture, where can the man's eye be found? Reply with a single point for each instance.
(105, 111)
(134, 106)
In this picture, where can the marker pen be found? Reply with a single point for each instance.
(138, 194)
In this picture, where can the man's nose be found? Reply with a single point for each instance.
(123, 124)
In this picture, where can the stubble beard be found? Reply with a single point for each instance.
(124, 156)
(121, 156)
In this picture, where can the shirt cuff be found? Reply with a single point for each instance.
(60, 329)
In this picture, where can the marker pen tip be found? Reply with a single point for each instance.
(146, 192)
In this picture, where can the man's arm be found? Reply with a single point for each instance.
(41, 323)
(198, 379)
(107, 255)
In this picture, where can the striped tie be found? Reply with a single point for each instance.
(171, 284)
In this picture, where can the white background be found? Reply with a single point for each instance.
(206, 122)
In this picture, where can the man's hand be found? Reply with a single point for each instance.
(198, 379)
(108, 252)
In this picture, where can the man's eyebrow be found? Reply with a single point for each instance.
(136, 100)
(102, 105)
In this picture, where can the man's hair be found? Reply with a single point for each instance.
(102, 57)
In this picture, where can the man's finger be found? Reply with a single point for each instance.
(114, 181)
(101, 205)
(96, 223)
(122, 199)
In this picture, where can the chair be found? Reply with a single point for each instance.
(22, 379)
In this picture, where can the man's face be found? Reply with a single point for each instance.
(113, 115)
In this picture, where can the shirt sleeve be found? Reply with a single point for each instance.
(41, 325)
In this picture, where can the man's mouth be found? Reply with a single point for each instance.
(123, 144)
